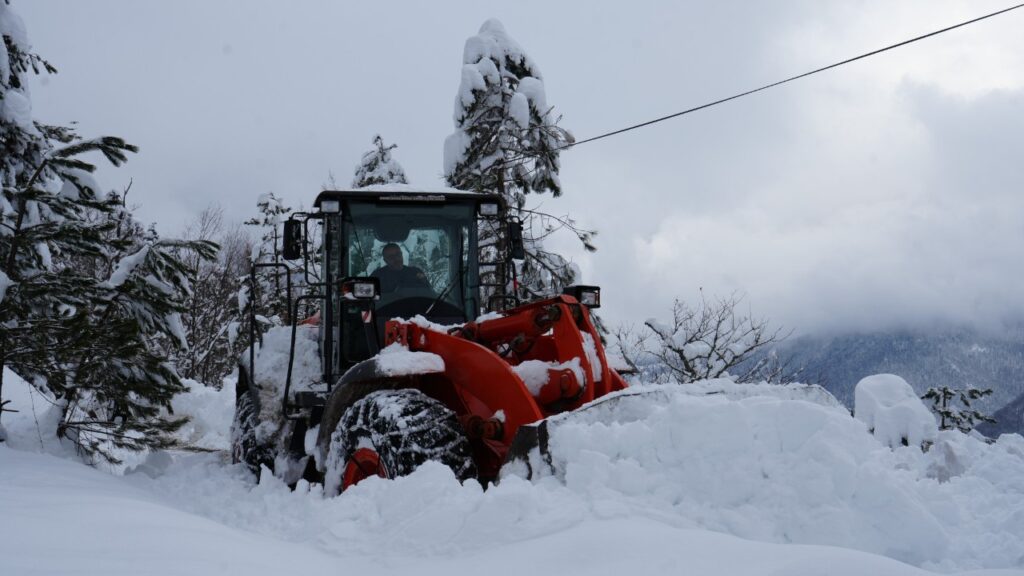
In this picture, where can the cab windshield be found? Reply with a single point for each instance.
(420, 253)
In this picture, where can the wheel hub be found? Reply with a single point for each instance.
(365, 462)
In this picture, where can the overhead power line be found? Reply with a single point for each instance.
(797, 77)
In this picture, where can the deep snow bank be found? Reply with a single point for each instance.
(789, 464)
(890, 408)
(61, 517)
(768, 463)
(64, 518)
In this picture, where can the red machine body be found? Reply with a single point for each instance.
(480, 382)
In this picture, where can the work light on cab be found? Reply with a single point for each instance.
(589, 296)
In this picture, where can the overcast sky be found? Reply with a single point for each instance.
(878, 194)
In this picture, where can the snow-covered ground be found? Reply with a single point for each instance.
(713, 478)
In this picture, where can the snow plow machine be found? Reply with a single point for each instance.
(400, 364)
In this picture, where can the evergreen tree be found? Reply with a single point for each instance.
(378, 167)
(118, 374)
(83, 304)
(950, 416)
(507, 140)
(46, 193)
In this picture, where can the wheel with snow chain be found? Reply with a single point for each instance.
(391, 433)
(244, 447)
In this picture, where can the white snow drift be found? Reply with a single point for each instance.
(655, 478)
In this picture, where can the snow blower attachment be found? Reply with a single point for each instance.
(364, 392)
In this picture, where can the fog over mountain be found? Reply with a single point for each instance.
(925, 358)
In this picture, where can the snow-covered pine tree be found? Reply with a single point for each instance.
(74, 318)
(951, 416)
(118, 374)
(378, 167)
(507, 140)
(46, 192)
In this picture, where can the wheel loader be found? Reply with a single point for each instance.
(434, 360)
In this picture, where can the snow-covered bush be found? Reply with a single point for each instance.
(213, 321)
(705, 342)
(893, 412)
(952, 417)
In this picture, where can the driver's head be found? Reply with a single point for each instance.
(392, 254)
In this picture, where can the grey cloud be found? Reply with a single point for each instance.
(847, 199)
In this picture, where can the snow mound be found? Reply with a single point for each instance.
(397, 360)
(789, 464)
(209, 411)
(122, 526)
(31, 417)
(675, 465)
(893, 412)
(272, 371)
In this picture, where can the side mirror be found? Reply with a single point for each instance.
(515, 240)
(292, 248)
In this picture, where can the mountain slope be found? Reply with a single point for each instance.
(954, 358)
(1009, 420)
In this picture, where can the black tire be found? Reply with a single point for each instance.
(405, 428)
(244, 447)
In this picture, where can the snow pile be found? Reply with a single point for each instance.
(271, 374)
(753, 462)
(31, 422)
(422, 322)
(210, 412)
(535, 373)
(120, 527)
(653, 476)
(123, 527)
(893, 412)
(272, 362)
(397, 360)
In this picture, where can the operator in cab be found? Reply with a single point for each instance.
(395, 274)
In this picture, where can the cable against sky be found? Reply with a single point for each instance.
(797, 77)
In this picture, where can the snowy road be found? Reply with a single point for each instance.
(716, 479)
(60, 517)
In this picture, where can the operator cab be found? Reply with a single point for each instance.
(418, 248)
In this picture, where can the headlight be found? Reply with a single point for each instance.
(330, 206)
(489, 209)
(364, 288)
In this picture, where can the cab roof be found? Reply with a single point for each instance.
(406, 193)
